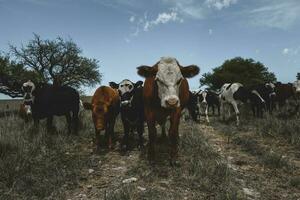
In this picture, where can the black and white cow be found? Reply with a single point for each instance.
(208, 99)
(48, 101)
(132, 108)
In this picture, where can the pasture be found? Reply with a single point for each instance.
(260, 159)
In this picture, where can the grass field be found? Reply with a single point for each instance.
(258, 160)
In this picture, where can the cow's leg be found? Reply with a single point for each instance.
(213, 109)
(163, 130)
(109, 132)
(174, 137)
(140, 131)
(36, 124)
(150, 118)
(253, 110)
(97, 132)
(50, 123)
(75, 122)
(206, 113)
(69, 122)
(222, 111)
(237, 112)
(126, 134)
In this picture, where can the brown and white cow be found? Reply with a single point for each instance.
(105, 108)
(166, 93)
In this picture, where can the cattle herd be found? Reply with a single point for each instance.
(161, 97)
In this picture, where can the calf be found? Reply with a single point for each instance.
(47, 101)
(132, 108)
(208, 99)
(165, 93)
(236, 93)
(105, 108)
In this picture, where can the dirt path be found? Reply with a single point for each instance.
(115, 175)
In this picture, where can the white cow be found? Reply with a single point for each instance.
(234, 94)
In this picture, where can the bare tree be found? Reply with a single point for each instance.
(58, 62)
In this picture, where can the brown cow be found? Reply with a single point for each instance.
(166, 93)
(25, 112)
(105, 108)
(284, 92)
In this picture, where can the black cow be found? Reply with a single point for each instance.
(266, 98)
(132, 109)
(192, 106)
(49, 101)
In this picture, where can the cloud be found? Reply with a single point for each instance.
(276, 14)
(210, 31)
(290, 51)
(285, 51)
(162, 18)
(220, 4)
(132, 18)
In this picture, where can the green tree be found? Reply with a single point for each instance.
(298, 76)
(58, 61)
(245, 71)
(13, 75)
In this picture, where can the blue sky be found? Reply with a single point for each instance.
(125, 34)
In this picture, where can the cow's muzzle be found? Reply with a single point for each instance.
(172, 102)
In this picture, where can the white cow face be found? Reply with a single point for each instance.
(168, 79)
(125, 86)
(296, 85)
(168, 75)
(28, 88)
(126, 90)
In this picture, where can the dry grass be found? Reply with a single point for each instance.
(35, 165)
(274, 127)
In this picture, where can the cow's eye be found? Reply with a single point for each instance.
(130, 87)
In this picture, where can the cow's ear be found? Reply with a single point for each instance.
(138, 84)
(87, 106)
(190, 71)
(114, 85)
(146, 71)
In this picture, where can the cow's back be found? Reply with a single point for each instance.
(55, 100)
(107, 95)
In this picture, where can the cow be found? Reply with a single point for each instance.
(47, 101)
(192, 106)
(266, 98)
(236, 93)
(105, 106)
(208, 99)
(165, 94)
(285, 91)
(131, 109)
(25, 110)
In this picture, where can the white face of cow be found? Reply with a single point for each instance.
(125, 86)
(168, 79)
(28, 88)
(297, 86)
(204, 94)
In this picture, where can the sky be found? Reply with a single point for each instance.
(124, 34)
